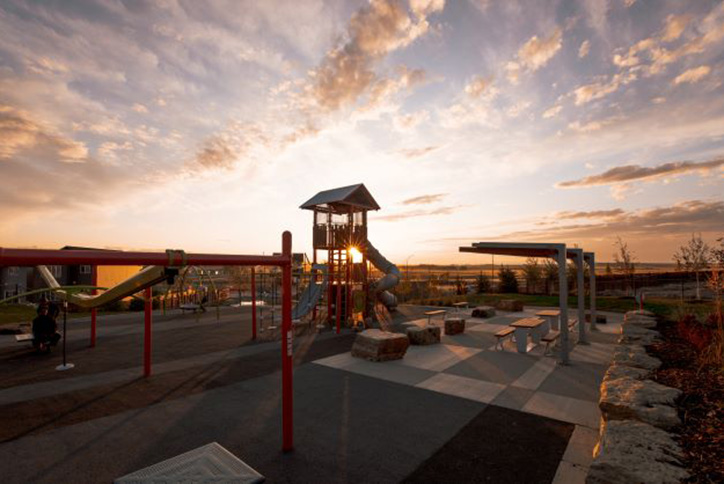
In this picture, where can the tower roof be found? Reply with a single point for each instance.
(341, 200)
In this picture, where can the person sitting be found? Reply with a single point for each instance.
(45, 332)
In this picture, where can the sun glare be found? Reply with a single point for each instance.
(356, 255)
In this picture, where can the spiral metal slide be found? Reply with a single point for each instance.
(391, 278)
(146, 277)
(312, 294)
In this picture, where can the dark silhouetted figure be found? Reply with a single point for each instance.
(45, 331)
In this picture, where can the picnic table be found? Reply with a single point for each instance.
(552, 317)
(460, 305)
(526, 326)
(435, 312)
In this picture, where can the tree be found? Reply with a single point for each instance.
(609, 272)
(460, 287)
(508, 281)
(532, 272)
(694, 257)
(550, 272)
(482, 284)
(624, 260)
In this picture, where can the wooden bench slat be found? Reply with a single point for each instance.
(551, 336)
(504, 332)
(435, 312)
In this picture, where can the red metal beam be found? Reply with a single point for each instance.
(33, 257)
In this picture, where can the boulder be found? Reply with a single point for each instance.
(483, 312)
(634, 356)
(631, 451)
(615, 372)
(637, 335)
(454, 326)
(378, 345)
(509, 305)
(644, 400)
(424, 335)
(600, 318)
(640, 321)
(640, 312)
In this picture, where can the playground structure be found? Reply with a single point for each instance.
(160, 267)
(339, 228)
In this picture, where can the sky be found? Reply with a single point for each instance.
(203, 126)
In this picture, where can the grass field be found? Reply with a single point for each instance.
(12, 314)
(669, 308)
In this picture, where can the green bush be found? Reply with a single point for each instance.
(136, 304)
(508, 281)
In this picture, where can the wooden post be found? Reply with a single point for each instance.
(94, 311)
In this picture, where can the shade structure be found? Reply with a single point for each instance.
(533, 249)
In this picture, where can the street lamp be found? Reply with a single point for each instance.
(407, 266)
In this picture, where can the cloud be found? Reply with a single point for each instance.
(693, 75)
(347, 71)
(534, 54)
(705, 216)
(21, 135)
(418, 213)
(674, 27)
(417, 152)
(223, 151)
(479, 85)
(632, 173)
(425, 199)
(411, 120)
(552, 111)
(140, 108)
(593, 214)
(597, 90)
(584, 49)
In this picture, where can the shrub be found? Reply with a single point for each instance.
(693, 332)
(482, 284)
(508, 281)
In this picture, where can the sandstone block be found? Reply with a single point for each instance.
(634, 356)
(454, 326)
(424, 335)
(615, 372)
(631, 451)
(640, 321)
(509, 305)
(637, 335)
(378, 345)
(483, 312)
(643, 400)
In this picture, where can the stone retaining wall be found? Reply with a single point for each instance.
(638, 414)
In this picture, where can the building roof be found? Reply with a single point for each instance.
(341, 200)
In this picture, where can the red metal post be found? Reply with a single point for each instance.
(287, 386)
(330, 262)
(253, 303)
(348, 292)
(338, 308)
(94, 312)
(148, 307)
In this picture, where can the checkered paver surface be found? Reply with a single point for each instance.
(468, 366)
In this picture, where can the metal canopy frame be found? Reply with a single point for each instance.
(533, 249)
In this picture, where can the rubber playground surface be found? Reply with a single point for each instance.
(454, 412)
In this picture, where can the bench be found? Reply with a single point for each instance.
(460, 305)
(549, 338)
(189, 307)
(501, 335)
(24, 338)
(436, 312)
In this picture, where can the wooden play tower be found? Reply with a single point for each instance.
(340, 229)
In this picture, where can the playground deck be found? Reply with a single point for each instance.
(458, 411)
